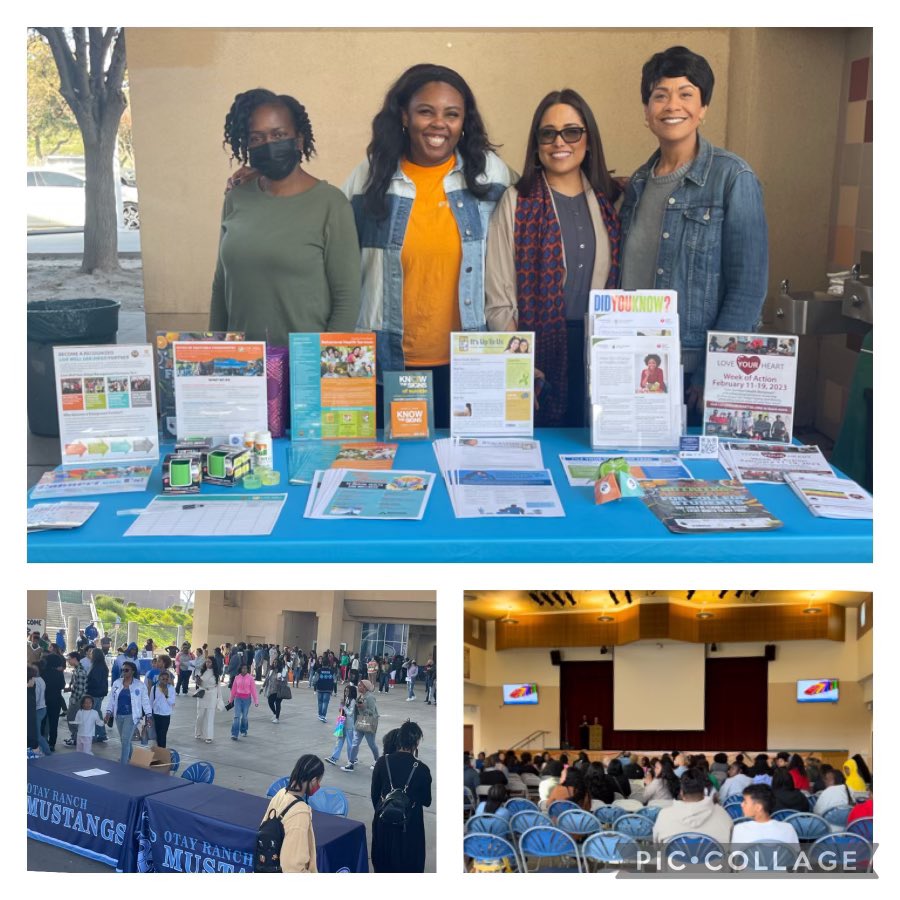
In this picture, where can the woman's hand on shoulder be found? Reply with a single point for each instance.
(244, 173)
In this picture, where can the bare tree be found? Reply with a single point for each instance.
(91, 64)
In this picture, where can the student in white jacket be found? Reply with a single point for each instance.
(128, 704)
(162, 702)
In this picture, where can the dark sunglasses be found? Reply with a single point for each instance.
(571, 134)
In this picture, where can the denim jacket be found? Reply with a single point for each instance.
(381, 241)
(713, 249)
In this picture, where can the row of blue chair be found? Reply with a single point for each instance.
(325, 799)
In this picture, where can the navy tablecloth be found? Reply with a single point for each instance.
(206, 828)
(95, 816)
(624, 531)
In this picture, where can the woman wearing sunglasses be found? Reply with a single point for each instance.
(553, 238)
(693, 217)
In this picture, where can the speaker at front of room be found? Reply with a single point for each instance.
(555, 657)
(770, 653)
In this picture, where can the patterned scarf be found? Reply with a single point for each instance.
(540, 281)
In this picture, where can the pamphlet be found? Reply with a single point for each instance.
(305, 457)
(73, 482)
(332, 386)
(408, 405)
(771, 462)
(220, 388)
(634, 355)
(106, 403)
(59, 516)
(830, 497)
(488, 453)
(750, 383)
(492, 383)
(165, 369)
(354, 494)
(584, 470)
(504, 492)
(690, 507)
(209, 515)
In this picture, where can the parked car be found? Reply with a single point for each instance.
(55, 198)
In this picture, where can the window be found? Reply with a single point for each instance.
(61, 179)
(383, 639)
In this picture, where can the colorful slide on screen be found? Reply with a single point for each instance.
(520, 694)
(822, 690)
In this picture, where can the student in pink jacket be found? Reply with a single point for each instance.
(243, 689)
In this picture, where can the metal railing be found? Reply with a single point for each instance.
(529, 739)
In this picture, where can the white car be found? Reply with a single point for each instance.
(56, 199)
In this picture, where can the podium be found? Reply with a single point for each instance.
(595, 739)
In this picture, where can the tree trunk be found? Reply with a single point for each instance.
(101, 253)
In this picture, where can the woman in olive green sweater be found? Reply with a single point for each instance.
(288, 252)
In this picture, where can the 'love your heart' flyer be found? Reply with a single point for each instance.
(750, 386)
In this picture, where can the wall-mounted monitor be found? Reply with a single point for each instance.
(817, 690)
(520, 694)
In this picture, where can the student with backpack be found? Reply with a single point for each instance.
(285, 841)
(401, 788)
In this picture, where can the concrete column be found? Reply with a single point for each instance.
(71, 633)
(133, 633)
(179, 636)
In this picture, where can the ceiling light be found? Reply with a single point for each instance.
(704, 615)
(605, 618)
(812, 610)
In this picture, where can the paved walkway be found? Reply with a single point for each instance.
(269, 752)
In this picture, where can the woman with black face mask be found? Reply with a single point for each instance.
(288, 252)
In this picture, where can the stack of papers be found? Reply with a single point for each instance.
(366, 494)
(771, 462)
(583, 470)
(497, 477)
(62, 515)
(830, 497)
(306, 457)
(72, 481)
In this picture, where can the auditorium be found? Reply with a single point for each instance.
(628, 699)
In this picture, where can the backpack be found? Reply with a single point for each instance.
(395, 807)
(269, 838)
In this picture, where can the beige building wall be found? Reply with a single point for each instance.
(775, 102)
(37, 604)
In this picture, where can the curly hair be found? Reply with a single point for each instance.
(237, 122)
(390, 142)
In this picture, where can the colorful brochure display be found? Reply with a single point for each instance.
(106, 403)
(771, 462)
(408, 406)
(351, 494)
(332, 386)
(691, 507)
(165, 370)
(76, 481)
(750, 384)
(306, 457)
(492, 383)
(220, 389)
(634, 354)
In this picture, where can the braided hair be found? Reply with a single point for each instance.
(410, 735)
(237, 122)
(308, 767)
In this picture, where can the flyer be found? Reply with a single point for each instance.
(634, 355)
(59, 516)
(492, 383)
(220, 389)
(690, 507)
(750, 384)
(209, 515)
(77, 481)
(830, 497)
(770, 462)
(106, 403)
(332, 386)
(479, 493)
(353, 494)
(165, 370)
(584, 470)
(488, 453)
(408, 405)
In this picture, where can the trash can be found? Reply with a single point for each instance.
(82, 321)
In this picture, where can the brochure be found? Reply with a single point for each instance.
(771, 462)
(487, 453)
(165, 370)
(59, 516)
(492, 383)
(634, 355)
(332, 386)
(830, 497)
(209, 515)
(408, 405)
(220, 389)
(690, 507)
(355, 494)
(106, 403)
(584, 470)
(305, 457)
(750, 384)
(74, 482)
(504, 492)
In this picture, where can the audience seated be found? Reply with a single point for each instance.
(734, 785)
(836, 793)
(615, 772)
(526, 766)
(798, 772)
(572, 787)
(719, 767)
(550, 776)
(693, 811)
(493, 805)
(786, 795)
(861, 811)
(761, 771)
(662, 785)
(758, 805)
(470, 777)
(493, 773)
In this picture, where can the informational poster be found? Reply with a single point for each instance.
(747, 462)
(220, 389)
(492, 383)
(408, 406)
(165, 370)
(634, 354)
(750, 385)
(332, 386)
(107, 403)
(353, 494)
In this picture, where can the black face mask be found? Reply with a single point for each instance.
(275, 160)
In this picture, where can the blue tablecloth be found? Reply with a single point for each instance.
(205, 828)
(624, 531)
(96, 816)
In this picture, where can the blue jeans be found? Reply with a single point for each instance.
(324, 697)
(241, 713)
(126, 726)
(99, 730)
(345, 738)
(42, 741)
(357, 740)
(410, 692)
